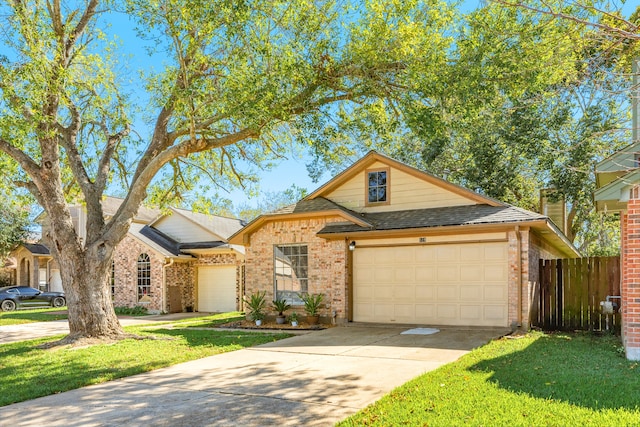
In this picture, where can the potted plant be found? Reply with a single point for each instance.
(293, 318)
(312, 304)
(281, 306)
(256, 304)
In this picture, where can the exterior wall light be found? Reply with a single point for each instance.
(352, 246)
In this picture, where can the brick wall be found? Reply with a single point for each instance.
(327, 262)
(183, 276)
(126, 275)
(630, 287)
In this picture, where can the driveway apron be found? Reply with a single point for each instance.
(313, 379)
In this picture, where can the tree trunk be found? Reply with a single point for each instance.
(85, 279)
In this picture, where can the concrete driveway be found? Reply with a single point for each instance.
(313, 379)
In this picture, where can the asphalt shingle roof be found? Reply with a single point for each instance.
(437, 217)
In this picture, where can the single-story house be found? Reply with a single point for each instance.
(388, 243)
(169, 261)
(618, 191)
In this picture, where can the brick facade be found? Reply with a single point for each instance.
(327, 265)
(183, 276)
(630, 286)
(328, 272)
(125, 260)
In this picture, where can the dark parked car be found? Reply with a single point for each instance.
(12, 297)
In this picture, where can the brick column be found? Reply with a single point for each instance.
(630, 287)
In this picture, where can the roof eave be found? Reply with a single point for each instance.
(243, 235)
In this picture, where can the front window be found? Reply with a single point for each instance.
(377, 186)
(144, 278)
(291, 272)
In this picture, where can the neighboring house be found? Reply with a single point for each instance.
(168, 262)
(618, 191)
(388, 243)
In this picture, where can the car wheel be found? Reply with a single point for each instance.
(58, 302)
(8, 305)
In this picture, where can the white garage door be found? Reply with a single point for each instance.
(449, 284)
(217, 289)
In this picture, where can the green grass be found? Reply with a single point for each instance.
(538, 380)
(28, 372)
(29, 316)
(213, 320)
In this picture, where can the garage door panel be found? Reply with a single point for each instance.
(495, 293)
(447, 293)
(383, 311)
(494, 273)
(494, 312)
(383, 274)
(425, 273)
(472, 253)
(364, 275)
(471, 293)
(363, 293)
(425, 292)
(404, 274)
(383, 293)
(446, 253)
(471, 273)
(447, 284)
(471, 314)
(217, 289)
(425, 313)
(448, 313)
(448, 273)
(363, 311)
(404, 292)
(495, 252)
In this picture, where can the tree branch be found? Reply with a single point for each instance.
(632, 34)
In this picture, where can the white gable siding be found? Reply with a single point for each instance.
(406, 192)
(182, 230)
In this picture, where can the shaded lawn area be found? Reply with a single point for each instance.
(537, 380)
(28, 372)
(29, 316)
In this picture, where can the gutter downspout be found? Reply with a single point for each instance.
(519, 281)
(164, 284)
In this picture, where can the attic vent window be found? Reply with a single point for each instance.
(377, 186)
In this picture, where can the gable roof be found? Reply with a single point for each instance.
(221, 226)
(302, 209)
(372, 157)
(613, 196)
(617, 165)
(485, 213)
(36, 248)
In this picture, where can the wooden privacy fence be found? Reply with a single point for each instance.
(570, 293)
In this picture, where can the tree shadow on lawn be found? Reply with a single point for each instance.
(37, 377)
(199, 337)
(580, 369)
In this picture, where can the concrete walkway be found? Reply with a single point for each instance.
(315, 379)
(29, 331)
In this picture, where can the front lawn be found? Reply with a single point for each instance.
(28, 372)
(538, 380)
(29, 316)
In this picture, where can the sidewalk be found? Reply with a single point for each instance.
(28, 331)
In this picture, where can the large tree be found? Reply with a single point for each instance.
(236, 80)
(525, 101)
